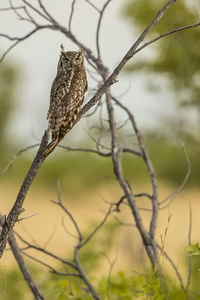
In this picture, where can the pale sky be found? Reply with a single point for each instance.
(37, 59)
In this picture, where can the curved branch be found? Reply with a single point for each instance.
(147, 161)
(98, 28)
(71, 15)
(18, 40)
(11, 162)
(171, 197)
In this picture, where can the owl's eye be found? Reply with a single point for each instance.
(78, 58)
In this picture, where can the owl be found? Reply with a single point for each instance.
(67, 94)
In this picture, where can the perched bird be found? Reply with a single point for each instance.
(67, 95)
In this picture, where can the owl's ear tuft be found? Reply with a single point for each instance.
(81, 51)
(62, 49)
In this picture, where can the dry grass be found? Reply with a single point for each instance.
(47, 225)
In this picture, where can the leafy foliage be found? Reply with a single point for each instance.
(194, 249)
(120, 286)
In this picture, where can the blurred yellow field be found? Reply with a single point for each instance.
(46, 229)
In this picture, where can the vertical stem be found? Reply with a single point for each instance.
(148, 241)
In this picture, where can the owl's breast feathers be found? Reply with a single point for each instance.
(67, 94)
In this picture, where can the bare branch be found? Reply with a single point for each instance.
(71, 15)
(18, 40)
(143, 195)
(36, 10)
(111, 263)
(11, 162)
(91, 4)
(146, 158)
(46, 12)
(173, 266)
(166, 34)
(99, 26)
(67, 231)
(42, 250)
(171, 197)
(84, 242)
(18, 14)
(59, 203)
(25, 218)
(103, 154)
(131, 52)
(53, 270)
(22, 265)
(119, 203)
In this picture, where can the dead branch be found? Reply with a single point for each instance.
(22, 265)
(172, 196)
(11, 162)
(147, 237)
(101, 13)
(166, 34)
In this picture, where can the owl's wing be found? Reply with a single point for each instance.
(86, 85)
(60, 87)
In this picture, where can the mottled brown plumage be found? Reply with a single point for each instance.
(67, 94)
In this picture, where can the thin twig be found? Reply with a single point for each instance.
(11, 8)
(84, 242)
(36, 10)
(91, 4)
(11, 162)
(53, 270)
(103, 154)
(172, 196)
(18, 40)
(66, 230)
(112, 78)
(42, 250)
(99, 26)
(111, 263)
(166, 34)
(71, 15)
(22, 265)
(173, 266)
(147, 161)
(59, 203)
(47, 13)
(28, 217)
(189, 244)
